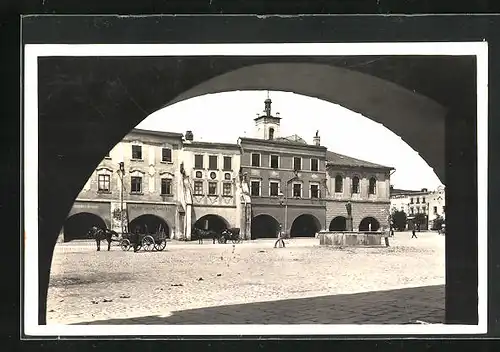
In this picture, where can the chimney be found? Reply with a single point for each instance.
(316, 139)
(189, 136)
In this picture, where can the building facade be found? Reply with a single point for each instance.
(175, 183)
(430, 203)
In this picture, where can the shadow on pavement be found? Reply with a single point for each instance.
(378, 307)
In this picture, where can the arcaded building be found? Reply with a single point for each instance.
(174, 182)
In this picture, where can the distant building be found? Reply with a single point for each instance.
(173, 182)
(430, 203)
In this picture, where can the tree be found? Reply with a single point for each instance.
(399, 219)
(438, 222)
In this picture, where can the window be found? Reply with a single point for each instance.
(275, 161)
(103, 183)
(412, 211)
(274, 189)
(339, 184)
(136, 184)
(256, 159)
(227, 176)
(418, 209)
(435, 210)
(418, 200)
(271, 133)
(423, 209)
(166, 186)
(355, 184)
(227, 189)
(213, 175)
(212, 162)
(297, 190)
(198, 187)
(314, 164)
(314, 191)
(228, 163)
(199, 174)
(166, 155)
(411, 200)
(372, 186)
(137, 152)
(255, 188)
(423, 200)
(212, 188)
(198, 161)
(297, 163)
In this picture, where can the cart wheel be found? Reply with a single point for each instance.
(148, 243)
(125, 244)
(161, 245)
(221, 239)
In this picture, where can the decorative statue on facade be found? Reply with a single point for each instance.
(348, 207)
(317, 133)
(349, 225)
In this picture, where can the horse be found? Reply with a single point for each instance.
(102, 234)
(200, 234)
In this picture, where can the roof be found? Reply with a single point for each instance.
(283, 141)
(344, 160)
(293, 138)
(157, 133)
(398, 192)
(215, 145)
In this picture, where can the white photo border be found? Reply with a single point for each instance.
(33, 51)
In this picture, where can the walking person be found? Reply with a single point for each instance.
(413, 235)
(281, 237)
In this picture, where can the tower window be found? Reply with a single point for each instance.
(271, 133)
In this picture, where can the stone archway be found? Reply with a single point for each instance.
(369, 224)
(137, 90)
(305, 225)
(338, 223)
(76, 227)
(149, 224)
(264, 226)
(212, 222)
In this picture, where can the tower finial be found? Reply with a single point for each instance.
(268, 94)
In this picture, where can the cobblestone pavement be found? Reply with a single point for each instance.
(252, 283)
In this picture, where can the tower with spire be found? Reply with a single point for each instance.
(267, 126)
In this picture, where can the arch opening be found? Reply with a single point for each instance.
(149, 224)
(264, 226)
(338, 223)
(77, 226)
(305, 225)
(212, 222)
(369, 224)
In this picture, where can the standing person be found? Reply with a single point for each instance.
(281, 237)
(135, 239)
(413, 232)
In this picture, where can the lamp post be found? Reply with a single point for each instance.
(122, 174)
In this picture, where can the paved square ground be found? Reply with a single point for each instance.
(252, 283)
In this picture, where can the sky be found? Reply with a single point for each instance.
(223, 117)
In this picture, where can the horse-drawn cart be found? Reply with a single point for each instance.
(148, 242)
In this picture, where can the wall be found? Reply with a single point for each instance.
(360, 210)
(101, 209)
